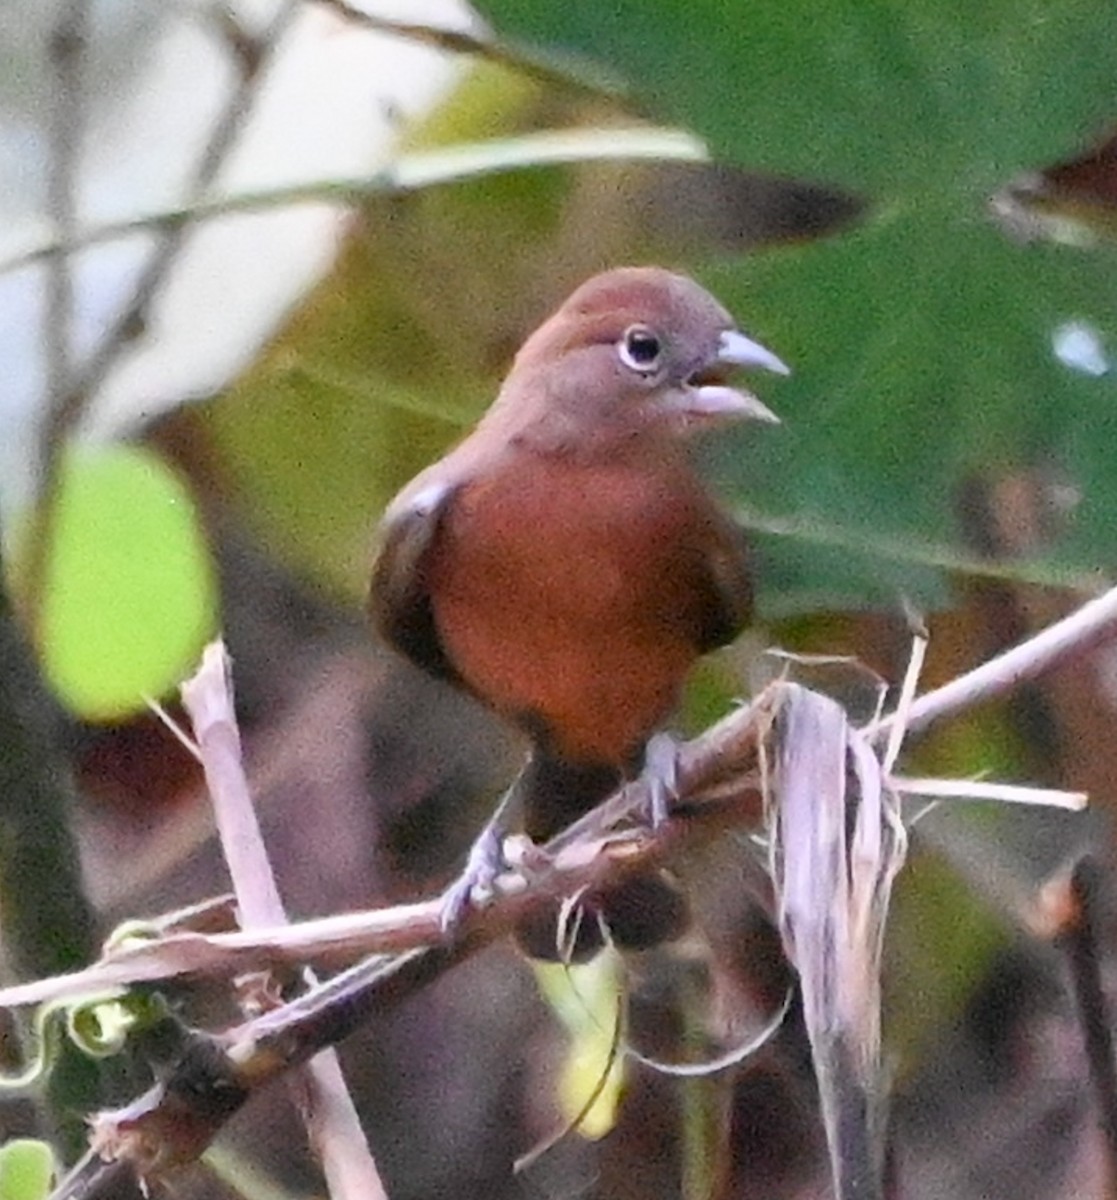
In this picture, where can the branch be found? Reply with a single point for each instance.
(717, 788)
(173, 1122)
(68, 45)
(66, 53)
(1082, 939)
(410, 172)
(318, 1088)
(332, 940)
(580, 75)
(1085, 629)
(75, 391)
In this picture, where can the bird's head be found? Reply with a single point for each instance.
(634, 350)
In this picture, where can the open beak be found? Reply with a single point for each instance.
(709, 395)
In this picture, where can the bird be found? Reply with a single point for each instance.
(564, 563)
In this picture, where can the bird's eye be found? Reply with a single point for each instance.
(640, 349)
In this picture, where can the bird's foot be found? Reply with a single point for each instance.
(487, 859)
(475, 883)
(661, 774)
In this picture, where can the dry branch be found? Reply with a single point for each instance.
(583, 76)
(1083, 630)
(717, 789)
(72, 389)
(318, 1088)
(174, 1121)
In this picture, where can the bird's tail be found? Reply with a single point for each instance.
(640, 911)
(557, 792)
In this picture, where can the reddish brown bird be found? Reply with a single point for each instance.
(564, 563)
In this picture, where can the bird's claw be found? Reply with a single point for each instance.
(475, 883)
(661, 774)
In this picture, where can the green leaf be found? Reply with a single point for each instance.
(922, 343)
(130, 594)
(586, 999)
(26, 1169)
(923, 357)
(894, 95)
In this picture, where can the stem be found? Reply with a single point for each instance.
(1085, 629)
(1082, 942)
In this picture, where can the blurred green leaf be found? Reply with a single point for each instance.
(586, 998)
(923, 343)
(26, 1169)
(896, 96)
(941, 941)
(923, 358)
(130, 596)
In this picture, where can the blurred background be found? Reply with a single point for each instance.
(260, 261)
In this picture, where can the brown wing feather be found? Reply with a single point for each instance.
(730, 590)
(399, 601)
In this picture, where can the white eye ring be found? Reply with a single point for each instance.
(640, 349)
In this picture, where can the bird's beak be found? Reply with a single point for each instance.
(736, 350)
(710, 396)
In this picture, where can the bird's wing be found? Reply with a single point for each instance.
(399, 599)
(729, 588)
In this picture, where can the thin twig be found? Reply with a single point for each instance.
(68, 44)
(68, 406)
(580, 75)
(222, 138)
(207, 698)
(1085, 629)
(410, 172)
(613, 1052)
(319, 1087)
(1083, 943)
(980, 789)
(92, 1176)
(66, 54)
(903, 705)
